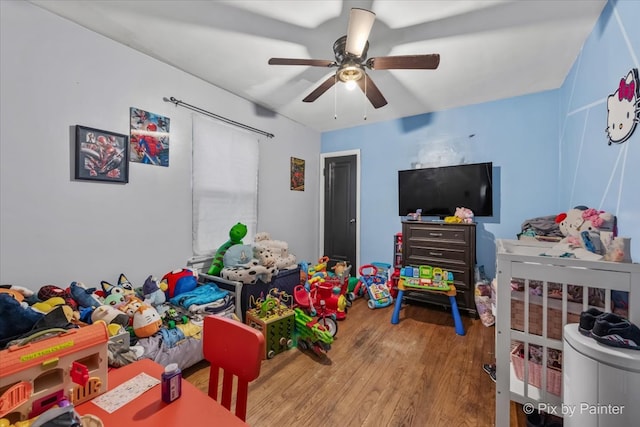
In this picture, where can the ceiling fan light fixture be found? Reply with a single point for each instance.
(351, 84)
(350, 73)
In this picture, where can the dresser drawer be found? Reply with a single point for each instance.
(429, 253)
(438, 235)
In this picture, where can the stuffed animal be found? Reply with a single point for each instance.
(278, 248)
(146, 321)
(465, 215)
(26, 293)
(16, 319)
(581, 228)
(579, 219)
(110, 315)
(85, 297)
(179, 281)
(261, 267)
(154, 294)
(124, 287)
(51, 291)
(115, 300)
(236, 235)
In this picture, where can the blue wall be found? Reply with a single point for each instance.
(535, 142)
(592, 172)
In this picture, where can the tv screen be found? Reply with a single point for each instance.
(438, 191)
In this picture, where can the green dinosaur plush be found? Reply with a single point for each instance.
(236, 234)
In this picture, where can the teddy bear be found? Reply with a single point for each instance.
(279, 249)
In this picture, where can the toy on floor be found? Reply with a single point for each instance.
(376, 287)
(325, 297)
(236, 235)
(274, 319)
(432, 280)
(310, 334)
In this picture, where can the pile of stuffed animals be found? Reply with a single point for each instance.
(123, 307)
(589, 234)
(248, 263)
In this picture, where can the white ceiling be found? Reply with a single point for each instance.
(489, 49)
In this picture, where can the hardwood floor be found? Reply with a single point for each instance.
(416, 373)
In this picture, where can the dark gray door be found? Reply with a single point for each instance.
(340, 188)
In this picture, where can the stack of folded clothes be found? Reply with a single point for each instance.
(609, 329)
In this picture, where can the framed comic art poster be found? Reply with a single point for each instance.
(101, 155)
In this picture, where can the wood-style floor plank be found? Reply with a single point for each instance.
(416, 373)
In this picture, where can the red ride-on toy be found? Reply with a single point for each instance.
(326, 299)
(309, 302)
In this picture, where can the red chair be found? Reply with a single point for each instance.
(238, 350)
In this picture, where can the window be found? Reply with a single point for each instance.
(224, 183)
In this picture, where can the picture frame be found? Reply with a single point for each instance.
(101, 155)
(297, 174)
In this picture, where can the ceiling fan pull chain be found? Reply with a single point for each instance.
(335, 97)
(364, 100)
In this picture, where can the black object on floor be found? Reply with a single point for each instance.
(490, 368)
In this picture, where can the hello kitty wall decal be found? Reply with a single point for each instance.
(623, 108)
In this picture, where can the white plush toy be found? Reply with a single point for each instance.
(261, 266)
(573, 222)
(279, 249)
(581, 227)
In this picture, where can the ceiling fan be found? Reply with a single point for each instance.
(351, 59)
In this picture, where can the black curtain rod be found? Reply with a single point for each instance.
(215, 116)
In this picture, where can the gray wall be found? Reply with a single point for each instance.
(54, 230)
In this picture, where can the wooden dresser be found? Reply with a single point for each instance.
(449, 246)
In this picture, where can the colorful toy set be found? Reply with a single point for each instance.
(37, 376)
(325, 295)
(376, 286)
(427, 277)
(275, 320)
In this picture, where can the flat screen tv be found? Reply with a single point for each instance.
(439, 190)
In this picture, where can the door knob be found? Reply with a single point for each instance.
(352, 220)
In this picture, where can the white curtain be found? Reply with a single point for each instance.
(225, 183)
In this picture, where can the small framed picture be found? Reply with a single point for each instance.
(297, 174)
(101, 155)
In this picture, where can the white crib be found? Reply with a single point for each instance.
(523, 260)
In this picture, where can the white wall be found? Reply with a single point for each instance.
(54, 230)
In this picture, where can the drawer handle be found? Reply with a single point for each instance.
(435, 253)
(435, 234)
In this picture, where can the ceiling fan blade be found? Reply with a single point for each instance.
(405, 62)
(294, 61)
(372, 92)
(325, 86)
(360, 23)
